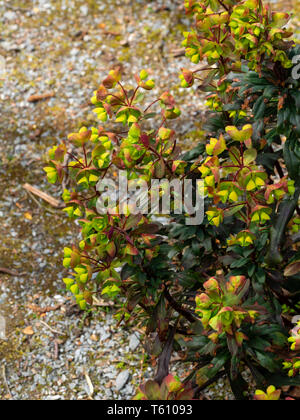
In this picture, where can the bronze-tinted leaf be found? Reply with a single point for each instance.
(292, 269)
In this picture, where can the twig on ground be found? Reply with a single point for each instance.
(90, 385)
(10, 272)
(44, 196)
(50, 328)
(180, 52)
(40, 97)
(102, 303)
(5, 381)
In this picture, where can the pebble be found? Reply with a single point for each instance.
(53, 398)
(73, 67)
(122, 379)
(84, 10)
(134, 342)
(10, 15)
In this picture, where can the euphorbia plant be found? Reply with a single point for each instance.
(272, 394)
(170, 389)
(222, 293)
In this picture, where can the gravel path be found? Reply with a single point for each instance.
(64, 47)
(49, 350)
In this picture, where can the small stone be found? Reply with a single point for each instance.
(128, 390)
(74, 51)
(2, 328)
(134, 342)
(108, 394)
(10, 15)
(2, 67)
(124, 43)
(53, 398)
(105, 336)
(122, 379)
(84, 10)
(38, 379)
(59, 298)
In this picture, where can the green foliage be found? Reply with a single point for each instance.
(217, 291)
(170, 389)
(272, 394)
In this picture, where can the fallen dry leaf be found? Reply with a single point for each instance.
(295, 392)
(28, 216)
(90, 385)
(94, 337)
(28, 331)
